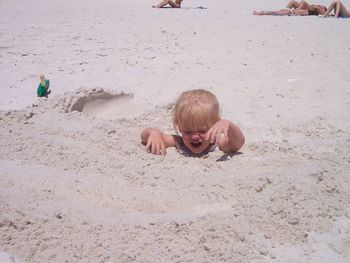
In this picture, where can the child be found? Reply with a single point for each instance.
(196, 117)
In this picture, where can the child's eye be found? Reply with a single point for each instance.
(192, 132)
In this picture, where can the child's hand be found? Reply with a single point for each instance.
(221, 127)
(233, 138)
(155, 143)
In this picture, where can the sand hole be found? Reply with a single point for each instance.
(108, 106)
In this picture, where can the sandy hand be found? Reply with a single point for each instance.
(155, 143)
(219, 128)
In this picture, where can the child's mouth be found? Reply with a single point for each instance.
(196, 144)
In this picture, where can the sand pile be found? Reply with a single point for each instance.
(77, 186)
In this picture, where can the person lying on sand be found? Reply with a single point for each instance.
(297, 9)
(306, 6)
(196, 117)
(339, 10)
(171, 3)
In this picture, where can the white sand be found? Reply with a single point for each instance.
(77, 186)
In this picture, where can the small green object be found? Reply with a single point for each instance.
(42, 89)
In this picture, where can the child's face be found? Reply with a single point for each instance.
(195, 139)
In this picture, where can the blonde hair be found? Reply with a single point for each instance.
(195, 109)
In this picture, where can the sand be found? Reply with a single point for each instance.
(76, 185)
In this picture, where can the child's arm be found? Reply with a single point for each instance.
(157, 142)
(233, 138)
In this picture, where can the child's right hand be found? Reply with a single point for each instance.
(155, 143)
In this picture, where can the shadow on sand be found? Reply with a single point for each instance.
(226, 156)
(197, 7)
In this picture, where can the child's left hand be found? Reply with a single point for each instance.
(221, 127)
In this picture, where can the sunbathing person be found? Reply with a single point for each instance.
(296, 8)
(339, 10)
(306, 6)
(171, 3)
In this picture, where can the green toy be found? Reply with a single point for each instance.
(43, 88)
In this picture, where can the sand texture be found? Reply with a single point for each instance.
(76, 185)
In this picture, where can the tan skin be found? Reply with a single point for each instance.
(301, 5)
(282, 12)
(227, 135)
(299, 8)
(306, 6)
(172, 3)
(339, 10)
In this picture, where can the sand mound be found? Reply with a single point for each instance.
(93, 181)
(97, 99)
(101, 104)
(111, 108)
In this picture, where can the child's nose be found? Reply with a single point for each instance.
(195, 136)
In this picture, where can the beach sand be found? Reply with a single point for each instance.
(76, 185)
